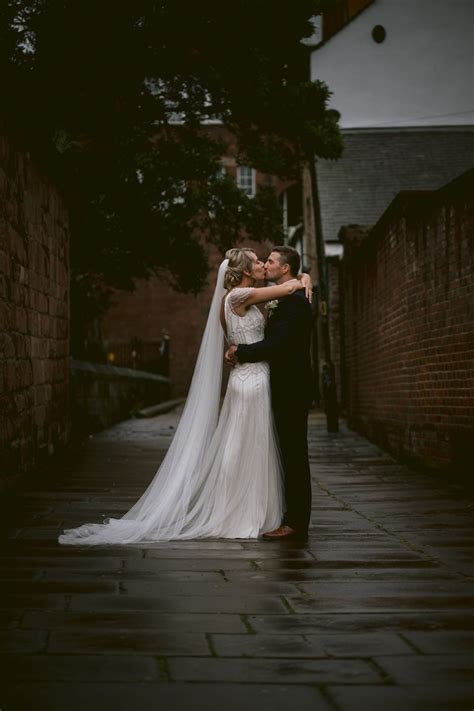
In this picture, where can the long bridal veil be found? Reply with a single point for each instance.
(162, 512)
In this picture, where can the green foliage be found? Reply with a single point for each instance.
(112, 96)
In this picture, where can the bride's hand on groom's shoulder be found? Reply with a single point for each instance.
(229, 355)
(307, 284)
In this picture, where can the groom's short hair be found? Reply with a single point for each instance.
(289, 255)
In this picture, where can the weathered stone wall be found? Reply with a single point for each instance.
(409, 347)
(34, 313)
(104, 394)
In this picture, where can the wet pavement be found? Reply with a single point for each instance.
(375, 612)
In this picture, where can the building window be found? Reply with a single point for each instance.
(246, 180)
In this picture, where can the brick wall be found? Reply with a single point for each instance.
(155, 309)
(34, 313)
(408, 332)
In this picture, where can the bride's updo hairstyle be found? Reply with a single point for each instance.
(240, 261)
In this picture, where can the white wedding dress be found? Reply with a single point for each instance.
(221, 477)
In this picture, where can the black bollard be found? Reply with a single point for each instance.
(330, 397)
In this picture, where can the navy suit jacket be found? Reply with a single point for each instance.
(286, 346)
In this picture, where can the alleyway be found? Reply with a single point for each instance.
(376, 612)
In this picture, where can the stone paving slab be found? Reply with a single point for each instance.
(258, 553)
(374, 612)
(122, 641)
(18, 563)
(181, 578)
(388, 605)
(397, 698)
(33, 602)
(310, 645)
(217, 604)
(10, 619)
(387, 574)
(46, 587)
(214, 589)
(363, 621)
(22, 641)
(80, 667)
(123, 620)
(292, 670)
(439, 669)
(223, 563)
(441, 642)
(151, 696)
(24, 549)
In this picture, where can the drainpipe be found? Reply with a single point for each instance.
(285, 215)
(328, 371)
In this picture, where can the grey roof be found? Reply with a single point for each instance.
(377, 164)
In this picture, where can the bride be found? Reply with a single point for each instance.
(221, 476)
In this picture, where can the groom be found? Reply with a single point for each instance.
(286, 346)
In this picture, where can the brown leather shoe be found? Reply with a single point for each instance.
(281, 532)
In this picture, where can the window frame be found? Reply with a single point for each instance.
(253, 187)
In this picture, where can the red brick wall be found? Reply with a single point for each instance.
(408, 327)
(34, 313)
(340, 13)
(155, 308)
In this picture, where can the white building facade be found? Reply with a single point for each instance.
(415, 69)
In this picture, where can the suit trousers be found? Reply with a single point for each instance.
(291, 421)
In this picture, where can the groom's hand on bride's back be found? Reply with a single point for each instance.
(230, 356)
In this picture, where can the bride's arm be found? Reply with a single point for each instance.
(268, 293)
(307, 285)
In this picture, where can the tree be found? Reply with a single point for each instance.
(114, 97)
